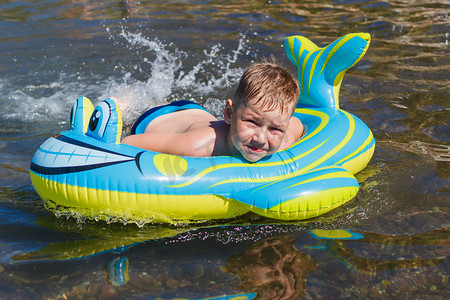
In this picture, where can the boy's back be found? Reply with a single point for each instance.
(180, 121)
(257, 122)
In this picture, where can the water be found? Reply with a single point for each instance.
(153, 52)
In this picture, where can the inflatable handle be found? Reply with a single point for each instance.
(305, 196)
(320, 70)
(80, 114)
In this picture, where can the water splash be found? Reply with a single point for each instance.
(21, 104)
(160, 73)
(169, 78)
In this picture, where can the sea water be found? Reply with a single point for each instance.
(391, 241)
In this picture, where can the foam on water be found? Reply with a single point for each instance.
(160, 74)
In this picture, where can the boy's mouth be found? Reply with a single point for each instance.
(255, 149)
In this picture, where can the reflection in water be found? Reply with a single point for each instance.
(92, 239)
(273, 268)
(90, 10)
(336, 244)
(195, 261)
(117, 270)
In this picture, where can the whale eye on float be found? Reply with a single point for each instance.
(99, 119)
(93, 123)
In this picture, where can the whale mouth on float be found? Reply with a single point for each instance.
(62, 155)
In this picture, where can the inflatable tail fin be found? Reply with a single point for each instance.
(320, 70)
(106, 122)
(79, 116)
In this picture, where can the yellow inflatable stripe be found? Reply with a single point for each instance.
(271, 178)
(332, 233)
(208, 170)
(308, 206)
(159, 208)
(333, 151)
(274, 180)
(324, 121)
(364, 145)
(214, 168)
(313, 68)
(170, 165)
(336, 174)
(305, 44)
(119, 125)
(336, 87)
(364, 36)
(338, 80)
(291, 48)
(303, 71)
(318, 202)
(358, 163)
(335, 48)
(87, 111)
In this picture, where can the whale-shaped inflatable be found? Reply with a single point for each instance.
(87, 172)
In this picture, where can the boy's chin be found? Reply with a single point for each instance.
(249, 155)
(253, 157)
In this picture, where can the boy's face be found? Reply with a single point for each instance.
(255, 132)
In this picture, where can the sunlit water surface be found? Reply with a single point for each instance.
(148, 53)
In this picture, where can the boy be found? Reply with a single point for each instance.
(257, 122)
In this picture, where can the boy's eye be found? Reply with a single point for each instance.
(276, 129)
(251, 121)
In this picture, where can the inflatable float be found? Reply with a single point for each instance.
(86, 172)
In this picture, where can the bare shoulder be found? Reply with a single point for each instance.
(201, 140)
(296, 125)
(293, 133)
(180, 121)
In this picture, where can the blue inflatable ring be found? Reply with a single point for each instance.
(87, 172)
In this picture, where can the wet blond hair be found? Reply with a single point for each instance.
(269, 85)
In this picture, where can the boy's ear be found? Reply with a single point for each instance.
(228, 111)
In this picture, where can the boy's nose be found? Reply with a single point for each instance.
(260, 136)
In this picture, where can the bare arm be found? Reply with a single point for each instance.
(293, 133)
(198, 142)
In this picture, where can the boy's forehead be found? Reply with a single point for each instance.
(267, 106)
(274, 114)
